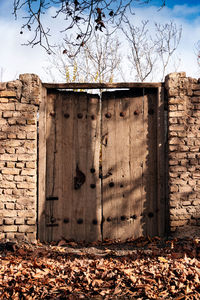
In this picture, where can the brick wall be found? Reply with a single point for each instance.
(184, 153)
(19, 102)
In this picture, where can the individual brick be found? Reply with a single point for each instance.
(9, 228)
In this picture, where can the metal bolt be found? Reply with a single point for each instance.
(150, 215)
(66, 115)
(53, 220)
(134, 217)
(136, 112)
(92, 186)
(66, 220)
(80, 115)
(108, 115)
(111, 184)
(80, 221)
(92, 170)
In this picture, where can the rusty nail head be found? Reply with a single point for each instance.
(111, 184)
(134, 217)
(109, 219)
(150, 215)
(92, 186)
(93, 117)
(52, 113)
(53, 220)
(122, 114)
(80, 221)
(80, 115)
(66, 220)
(123, 218)
(136, 112)
(108, 115)
(66, 115)
(121, 185)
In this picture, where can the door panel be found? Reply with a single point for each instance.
(128, 164)
(73, 206)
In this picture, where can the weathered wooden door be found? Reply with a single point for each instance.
(129, 164)
(101, 166)
(73, 198)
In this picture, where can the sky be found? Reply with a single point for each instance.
(17, 59)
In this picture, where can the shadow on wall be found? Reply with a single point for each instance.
(101, 179)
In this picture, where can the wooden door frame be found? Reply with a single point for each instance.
(161, 174)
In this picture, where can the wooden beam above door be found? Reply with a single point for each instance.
(118, 85)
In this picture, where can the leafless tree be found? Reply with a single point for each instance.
(97, 61)
(150, 53)
(141, 49)
(81, 18)
(168, 37)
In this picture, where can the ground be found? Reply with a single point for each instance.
(146, 268)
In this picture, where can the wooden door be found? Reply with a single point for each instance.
(103, 162)
(73, 203)
(129, 164)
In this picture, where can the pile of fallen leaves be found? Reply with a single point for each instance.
(138, 269)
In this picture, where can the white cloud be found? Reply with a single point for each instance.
(16, 59)
(186, 10)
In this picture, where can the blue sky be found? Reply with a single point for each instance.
(16, 59)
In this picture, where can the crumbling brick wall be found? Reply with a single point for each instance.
(184, 153)
(19, 102)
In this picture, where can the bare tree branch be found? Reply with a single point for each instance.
(168, 37)
(150, 52)
(142, 54)
(81, 17)
(98, 61)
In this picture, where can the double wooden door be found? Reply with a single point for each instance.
(102, 176)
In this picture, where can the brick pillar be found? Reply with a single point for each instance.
(184, 153)
(19, 102)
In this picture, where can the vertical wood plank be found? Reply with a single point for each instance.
(42, 167)
(151, 174)
(57, 205)
(161, 162)
(138, 156)
(51, 166)
(122, 184)
(79, 166)
(67, 163)
(93, 193)
(109, 167)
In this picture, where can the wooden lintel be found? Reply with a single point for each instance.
(118, 85)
